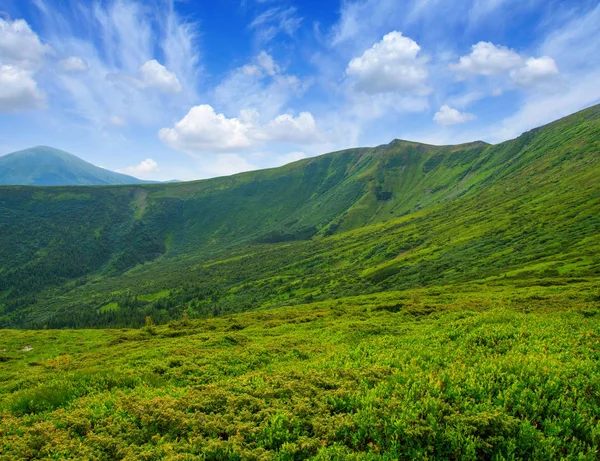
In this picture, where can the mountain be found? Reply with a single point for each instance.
(45, 166)
(405, 301)
(365, 220)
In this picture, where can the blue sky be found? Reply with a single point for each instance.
(193, 89)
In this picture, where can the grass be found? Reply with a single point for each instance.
(439, 373)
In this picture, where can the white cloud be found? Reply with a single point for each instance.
(151, 74)
(267, 62)
(368, 105)
(449, 116)
(20, 46)
(275, 21)
(510, 67)
(143, 170)
(360, 21)
(18, 90)
(576, 48)
(155, 75)
(121, 38)
(391, 65)
(126, 33)
(286, 128)
(203, 130)
(264, 65)
(73, 64)
(180, 50)
(21, 55)
(488, 59)
(260, 85)
(535, 70)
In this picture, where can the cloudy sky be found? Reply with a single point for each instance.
(166, 89)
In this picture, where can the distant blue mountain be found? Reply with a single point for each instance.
(46, 166)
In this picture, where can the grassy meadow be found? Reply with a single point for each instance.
(464, 372)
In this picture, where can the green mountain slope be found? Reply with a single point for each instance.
(45, 166)
(402, 302)
(359, 221)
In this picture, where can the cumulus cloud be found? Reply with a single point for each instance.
(449, 116)
(391, 65)
(488, 59)
(535, 70)
(73, 64)
(155, 75)
(20, 46)
(18, 90)
(203, 130)
(143, 170)
(286, 128)
(21, 55)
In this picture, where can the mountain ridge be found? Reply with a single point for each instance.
(355, 221)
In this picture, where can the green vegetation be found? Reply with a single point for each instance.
(399, 302)
(439, 373)
(360, 221)
(45, 166)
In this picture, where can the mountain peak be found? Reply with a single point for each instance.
(48, 166)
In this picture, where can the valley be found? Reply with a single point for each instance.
(399, 302)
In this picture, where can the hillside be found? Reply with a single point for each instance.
(364, 220)
(45, 166)
(398, 302)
